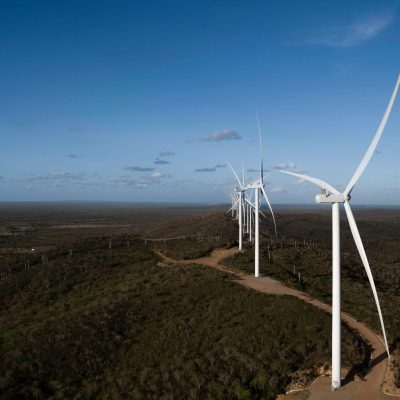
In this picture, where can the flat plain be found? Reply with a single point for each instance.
(89, 310)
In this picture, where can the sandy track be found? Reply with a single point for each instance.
(368, 389)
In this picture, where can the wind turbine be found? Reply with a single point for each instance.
(251, 210)
(243, 206)
(233, 209)
(332, 196)
(258, 187)
(239, 190)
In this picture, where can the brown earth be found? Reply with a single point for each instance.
(368, 389)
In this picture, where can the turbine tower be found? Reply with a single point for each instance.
(258, 187)
(244, 208)
(332, 196)
(239, 190)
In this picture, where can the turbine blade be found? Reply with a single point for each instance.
(259, 211)
(247, 200)
(261, 155)
(316, 181)
(237, 201)
(269, 205)
(242, 174)
(371, 149)
(360, 247)
(226, 212)
(234, 173)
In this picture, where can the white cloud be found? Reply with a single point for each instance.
(350, 35)
(123, 181)
(161, 162)
(218, 136)
(151, 179)
(139, 169)
(291, 166)
(74, 156)
(156, 175)
(210, 169)
(287, 165)
(65, 176)
(167, 153)
(277, 189)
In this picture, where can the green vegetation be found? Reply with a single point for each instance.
(304, 247)
(188, 248)
(212, 232)
(191, 248)
(109, 323)
(99, 317)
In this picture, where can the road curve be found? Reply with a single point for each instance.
(368, 389)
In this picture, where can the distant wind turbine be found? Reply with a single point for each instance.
(239, 190)
(258, 186)
(243, 206)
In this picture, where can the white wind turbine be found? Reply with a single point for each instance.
(239, 191)
(233, 209)
(332, 196)
(251, 212)
(258, 186)
(241, 205)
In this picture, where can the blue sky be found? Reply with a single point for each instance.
(144, 101)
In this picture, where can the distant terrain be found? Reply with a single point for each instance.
(87, 310)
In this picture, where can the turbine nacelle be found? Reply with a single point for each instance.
(255, 185)
(330, 198)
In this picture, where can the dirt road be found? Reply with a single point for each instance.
(369, 389)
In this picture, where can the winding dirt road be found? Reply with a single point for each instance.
(368, 389)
